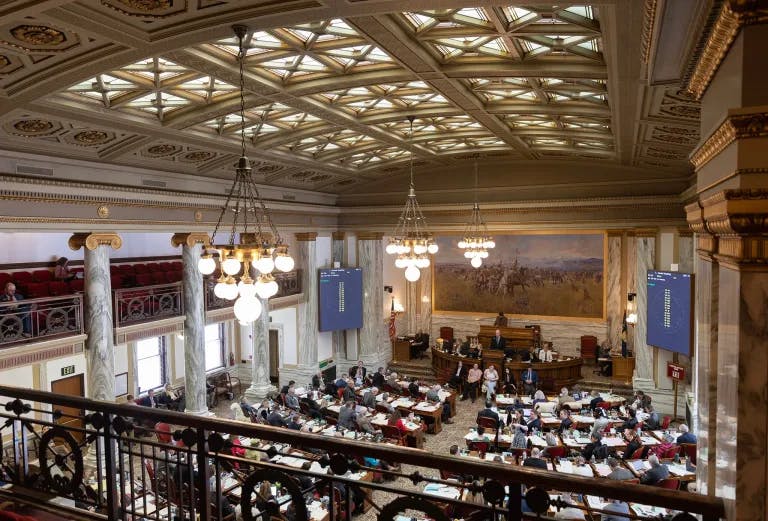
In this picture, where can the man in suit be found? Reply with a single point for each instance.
(457, 376)
(347, 415)
(275, 419)
(501, 320)
(535, 460)
(433, 396)
(488, 412)
(685, 435)
(601, 422)
(565, 421)
(413, 388)
(293, 423)
(633, 443)
(357, 373)
(291, 400)
(595, 441)
(148, 400)
(379, 378)
(530, 380)
(657, 473)
(618, 473)
(349, 392)
(498, 341)
(317, 380)
(369, 398)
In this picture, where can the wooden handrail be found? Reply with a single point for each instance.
(677, 500)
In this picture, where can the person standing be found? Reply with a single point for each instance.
(498, 341)
(458, 376)
(530, 381)
(491, 378)
(501, 320)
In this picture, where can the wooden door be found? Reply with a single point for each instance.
(274, 355)
(70, 386)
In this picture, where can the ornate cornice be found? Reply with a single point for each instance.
(733, 15)
(339, 236)
(190, 239)
(735, 126)
(92, 241)
(646, 232)
(370, 236)
(684, 232)
(649, 21)
(306, 236)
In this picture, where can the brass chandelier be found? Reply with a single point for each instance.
(411, 241)
(260, 246)
(476, 241)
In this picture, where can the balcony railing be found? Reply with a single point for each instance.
(33, 320)
(192, 467)
(287, 284)
(136, 305)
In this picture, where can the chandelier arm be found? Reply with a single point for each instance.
(259, 212)
(238, 202)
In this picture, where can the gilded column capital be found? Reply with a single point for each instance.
(250, 237)
(738, 221)
(646, 232)
(339, 236)
(737, 125)
(370, 236)
(684, 231)
(306, 236)
(190, 239)
(616, 233)
(92, 241)
(733, 15)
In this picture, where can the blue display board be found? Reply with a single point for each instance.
(341, 299)
(670, 311)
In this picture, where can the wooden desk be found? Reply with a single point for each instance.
(515, 337)
(401, 350)
(552, 375)
(623, 368)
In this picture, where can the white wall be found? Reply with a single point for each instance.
(18, 377)
(51, 371)
(177, 371)
(47, 247)
(288, 318)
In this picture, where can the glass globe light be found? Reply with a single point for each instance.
(476, 262)
(265, 264)
(468, 254)
(230, 291)
(491, 244)
(266, 288)
(391, 248)
(246, 289)
(432, 248)
(231, 266)
(247, 309)
(400, 263)
(284, 263)
(483, 254)
(419, 249)
(422, 262)
(219, 289)
(206, 265)
(412, 274)
(462, 244)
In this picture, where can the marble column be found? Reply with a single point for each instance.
(425, 301)
(685, 253)
(412, 306)
(375, 348)
(306, 261)
(339, 338)
(99, 345)
(194, 320)
(257, 335)
(645, 255)
(614, 298)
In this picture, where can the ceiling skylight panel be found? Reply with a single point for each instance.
(419, 21)
(581, 10)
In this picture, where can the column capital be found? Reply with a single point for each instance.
(190, 239)
(306, 236)
(93, 240)
(370, 236)
(646, 232)
(616, 233)
(737, 125)
(339, 236)
(684, 231)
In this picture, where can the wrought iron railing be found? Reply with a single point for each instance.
(127, 462)
(33, 320)
(287, 284)
(136, 305)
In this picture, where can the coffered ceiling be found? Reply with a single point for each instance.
(329, 86)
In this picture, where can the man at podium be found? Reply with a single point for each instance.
(498, 341)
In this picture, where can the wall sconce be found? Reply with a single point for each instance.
(397, 307)
(631, 309)
(425, 299)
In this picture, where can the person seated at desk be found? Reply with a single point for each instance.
(615, 508)
(293, 423)
(149, 400)
(396, 420)
(633, 443)
(248, 410)
(488, 412)
(313, 409)
(565, 420)
(594, 447)
(433, 396)
(685, 436)
(275, 419)
(473, 382)
(530, 380)
(651, 420)
(284, 389)
(413, 388)
(667, 446)
(369, 398)
(570, 510)
(501, 320)
(393, 383)
(458, 375)
(379, 378)
(564, 397)
(347, 415)
(384, 402)
(317, 380)
(508, 382)
(535, 460)
(631, 422)
(595, 398)
(171, 399)
(349, 391)
(357, 373)
(535, 421)
(491, 377)
(546, 354)
(618, 473)
(365, 425)
(291, 400)
(601, 422)
(657, 473)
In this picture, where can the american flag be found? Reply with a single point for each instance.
(392, 316)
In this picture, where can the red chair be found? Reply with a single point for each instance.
(162, 266)
(391, 432)
(638, 454)
(58, 288)
(688, 449)
(21, 277)
(144, 279)
(603, 405)
(37, 290)
(177, 266)
(42, 276)
(175, 276)
(479, 446)
(5, 278)
(556, 452)
(670, 452)
(159, 277)
(116, 282)
(670, 483)
(76, 285)
(488, 423)
(665, 422)
(140, 268)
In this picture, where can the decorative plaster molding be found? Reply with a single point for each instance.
(370, 236)
(735, 126)
(339, 236)
(646, 232)
(190, 239)
(153, 329)
(92, 241)
(306, 236)
(734, 15)
(37, 352)
(649, 22)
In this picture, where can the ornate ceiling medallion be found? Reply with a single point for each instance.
(268, 169)
(147, 5)
(39, 37)
(9, 64)
(91, 138)
(197, 156)
(162, 150)
(147, 8)
(34, 127)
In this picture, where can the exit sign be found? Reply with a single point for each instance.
(68, 370)
(676, 372)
